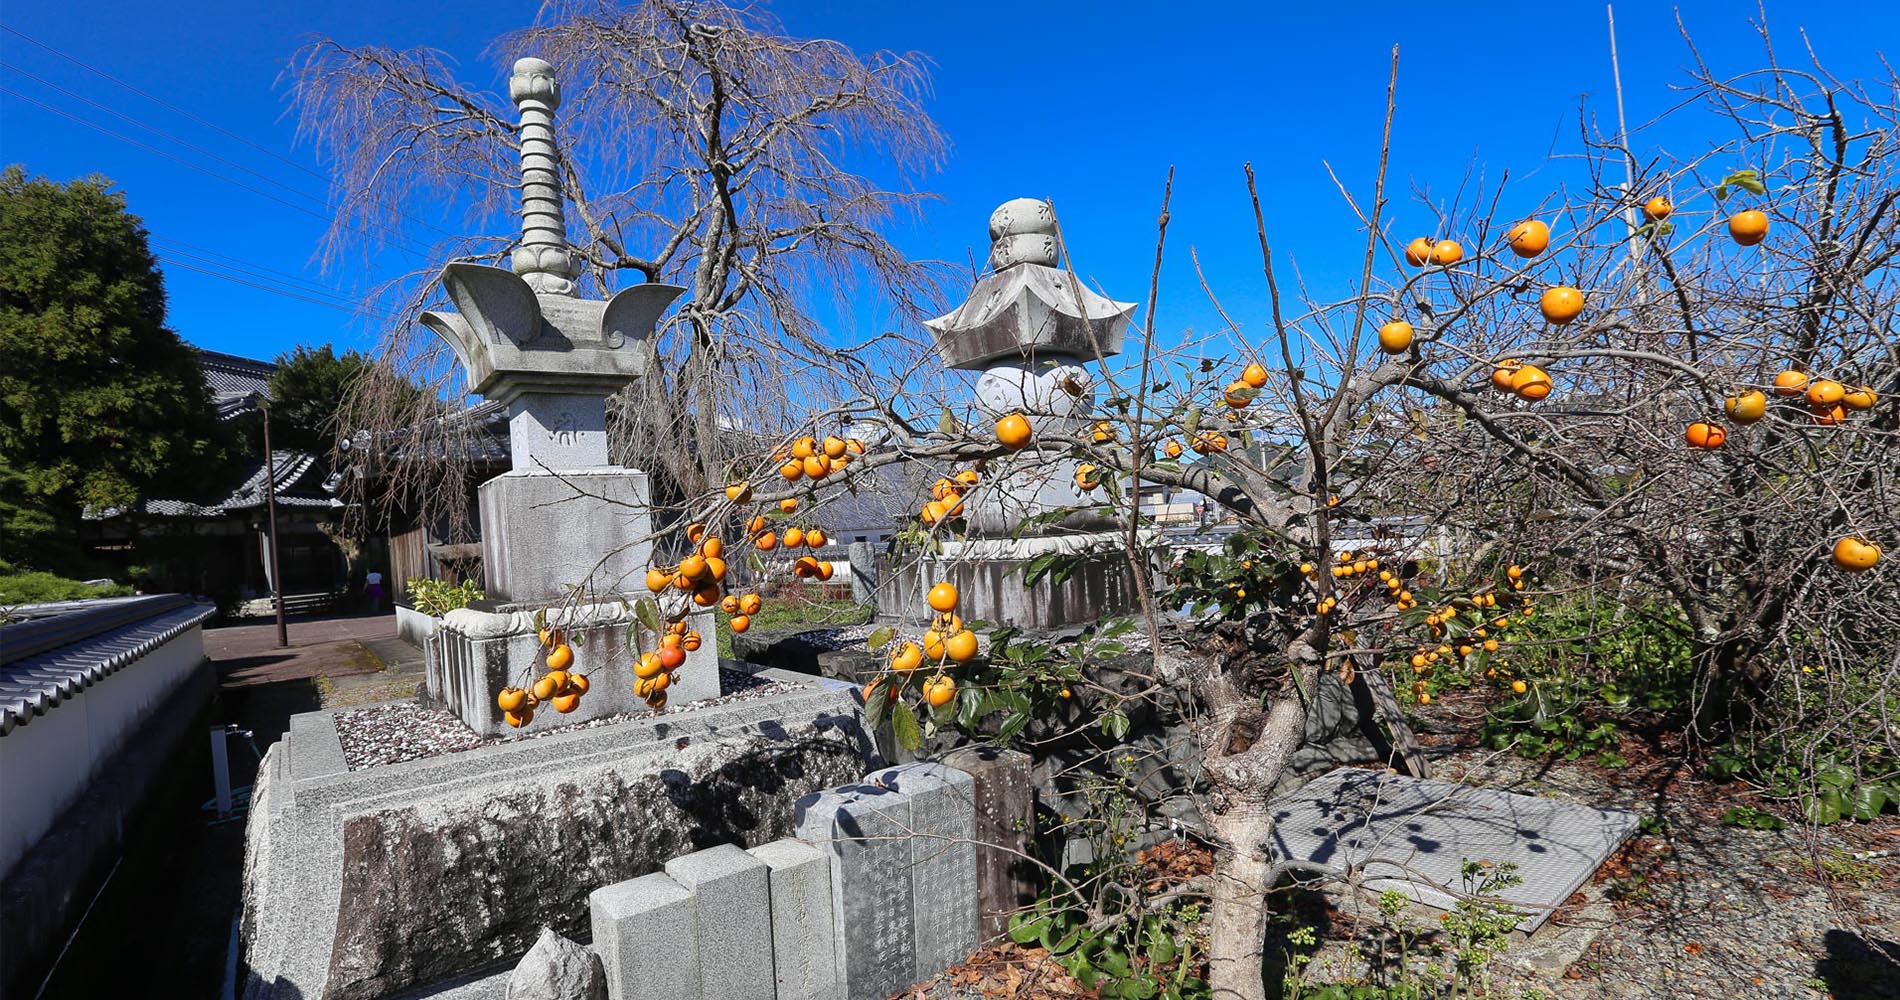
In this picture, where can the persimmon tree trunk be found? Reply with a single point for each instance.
(1245, 743)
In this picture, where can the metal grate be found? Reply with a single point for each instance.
(1390, 831)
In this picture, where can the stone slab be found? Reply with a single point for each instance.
(732, 919)
(1005, 820)
(544, 533)
(363, 884)
(804, 932)
(645, 934)
(865, 830)
(942, 844)
(1414, 834)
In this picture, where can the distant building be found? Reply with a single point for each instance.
(217, 544)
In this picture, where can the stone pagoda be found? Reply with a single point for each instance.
(1030, 328)
(565, 528)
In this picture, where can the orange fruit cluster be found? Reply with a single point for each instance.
(810, 458)
(700, 574)
(946, 496)
(560, 687)
(1527, 382)
(946, 642)
(653, 672)
(1425, 250)
(1828, 403)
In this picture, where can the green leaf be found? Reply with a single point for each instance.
(1721, 192)
(1026, 926)
(904, 726)
(1192, 421)
(648, 611)
(947, 422)
(879, 638)
(878, 706)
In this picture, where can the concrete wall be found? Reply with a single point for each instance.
(413, 626)
(48, 763)
(78, 782)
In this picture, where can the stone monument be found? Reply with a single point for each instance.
(1030, 328)
(565, 527)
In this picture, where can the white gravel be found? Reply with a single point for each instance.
(390, 734)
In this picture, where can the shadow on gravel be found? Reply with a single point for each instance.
(1858, 968)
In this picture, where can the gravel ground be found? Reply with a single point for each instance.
(390, 734)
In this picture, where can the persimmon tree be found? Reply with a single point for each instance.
(709, 149)
(1540, 384)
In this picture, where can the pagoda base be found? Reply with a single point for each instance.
(988, 575)
(545, 533)
(474, 654)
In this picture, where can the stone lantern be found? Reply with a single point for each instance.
(1031, 329)
(563, 520)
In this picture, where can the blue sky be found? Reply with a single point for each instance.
(1088, 104)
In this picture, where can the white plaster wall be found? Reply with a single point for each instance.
(413, 626)
(47, 763)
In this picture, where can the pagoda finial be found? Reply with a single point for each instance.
(543, 259)
(1022, 231)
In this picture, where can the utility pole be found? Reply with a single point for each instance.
(270, 507)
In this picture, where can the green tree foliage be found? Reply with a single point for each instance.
(310, 384)
(98, 399)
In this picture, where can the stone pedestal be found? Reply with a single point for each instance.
(544, 533)
(988, 574)
(479, 652)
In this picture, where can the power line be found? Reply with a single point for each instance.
(258, 271)
(187, 163)
(161, 102)
(155, 130)
(275, 290)
(175, 109)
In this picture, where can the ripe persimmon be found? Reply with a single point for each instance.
(1658, 208)
(1748, 228)
(835, 447)
(1418, 253)
(942, 597)
(1531, 382)
(766, 542)
(961, 645)
(739, 492)
(671, 657)
(1561, 304)
(739, 623)
(1856, 555)
(750, 604)
(804, 448)
(657, 579)
(565, 703)
(1395, 337)
(906, 658)
(1829, 416)
(1013, 431)
(560, 656)
(1255, 375)
(1703, 435)
(1445, 253)
(1528, 238)
(1746, 408)
(794, 538)
(787, 505)
(1825, 392)
(1791, 383)
(511, 699)
(1861, 398)
(1238, 394)
(939, 690)
(815, 538)
(648, 665)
